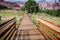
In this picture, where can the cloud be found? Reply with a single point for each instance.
(23, 0)
(11, 0)
(35, 0)
(52, 0)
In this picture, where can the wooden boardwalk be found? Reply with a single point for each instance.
(27, 30)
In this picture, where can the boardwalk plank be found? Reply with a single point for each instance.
(27, 30)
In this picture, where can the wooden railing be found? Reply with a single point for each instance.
(50, 30)
(7, 29)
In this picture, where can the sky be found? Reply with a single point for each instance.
(36, 0)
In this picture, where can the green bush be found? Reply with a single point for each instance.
(50, 12)
(58, 12)
(40, 10)
(3, 7)
(53, 12)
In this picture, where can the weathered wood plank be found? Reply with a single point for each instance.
(52, 29)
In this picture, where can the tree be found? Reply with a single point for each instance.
(31, 6)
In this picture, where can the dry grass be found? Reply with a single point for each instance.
(9, 14)
(45, 16)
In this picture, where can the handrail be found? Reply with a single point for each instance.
(7, 29)
(6, 22)
(48, 28)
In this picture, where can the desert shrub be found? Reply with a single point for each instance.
(58, 12)
(40, 10)
(3, 7)
(53, 12)
(50, 12)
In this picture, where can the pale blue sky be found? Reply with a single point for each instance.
(36, 0)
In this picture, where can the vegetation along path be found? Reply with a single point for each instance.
(27, 30)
